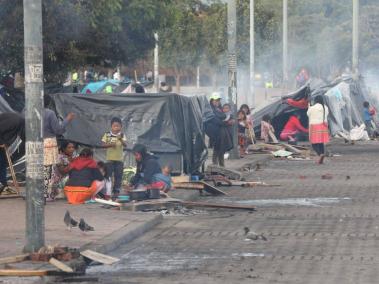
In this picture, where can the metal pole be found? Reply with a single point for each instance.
(285, 42)
(156, 63)
(232, 68)
(33, 55)
(355, 37)
(198, 77)
(251, 100)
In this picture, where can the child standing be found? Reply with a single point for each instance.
(115, 141)
(242, 126)
(367, 116)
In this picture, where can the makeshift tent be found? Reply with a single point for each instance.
(165, 123)
(344, 97)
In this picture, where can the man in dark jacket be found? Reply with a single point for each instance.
(12, 125)
(147, 166)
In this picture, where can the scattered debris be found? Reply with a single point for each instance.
(60, 253)
(60, 265)
(99, 257)
(216, 170)
(218, 205)
(14, 259)
(107, 202)
(180, 179)
(327, 176)
(249, 235)
(19, 272)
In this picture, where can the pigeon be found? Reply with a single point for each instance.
(251, 236)
(69, 221)
(83, 226)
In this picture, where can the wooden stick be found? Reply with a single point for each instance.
(99, 257)
(60, 265)
(217, 205)
(183, 185)
(13, 174)
(107, 202)
(17, 272)
(14, 259)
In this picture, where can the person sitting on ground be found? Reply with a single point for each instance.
(147, 167)
(59, 177)
(267, 130)
(85, 179)
(163, 180)
(367, 116)
(12, 125)
(106, 191)
(293, 131)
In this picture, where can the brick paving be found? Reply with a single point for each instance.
(330, 236)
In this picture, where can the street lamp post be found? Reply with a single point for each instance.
(33, 57)
(251, 100)
(285, 42)
(156, 63)
(232, 68)
(355, 37)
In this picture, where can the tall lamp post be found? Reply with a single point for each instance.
(156, 63)
(355, 37)
(251, 100)
(33, 54)
(232, 68)
(285, 42)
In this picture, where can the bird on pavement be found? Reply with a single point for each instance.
(69, 221)
(83, 226)
(249, 235)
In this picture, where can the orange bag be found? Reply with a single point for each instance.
(79, 194)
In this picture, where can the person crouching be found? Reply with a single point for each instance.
(85, 179)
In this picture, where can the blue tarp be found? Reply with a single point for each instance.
(95, 87)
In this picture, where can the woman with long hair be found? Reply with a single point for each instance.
(318, 126)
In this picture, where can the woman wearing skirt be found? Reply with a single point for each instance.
(51, 128)
(318, 126)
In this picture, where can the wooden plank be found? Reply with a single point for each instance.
(19, 272)
(212, 189)
(231, 174)
(99, 257)
(218, 205)
(107, 202)
(252, 184)
(14, 259)
(189, 185)
(60, 265)
(180, 179)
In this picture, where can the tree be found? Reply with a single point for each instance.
(181, 40)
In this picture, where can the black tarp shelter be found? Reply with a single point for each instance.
(344, 97)
(165, 123)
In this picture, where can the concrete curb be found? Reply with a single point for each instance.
(123, 235)
(114, 240)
